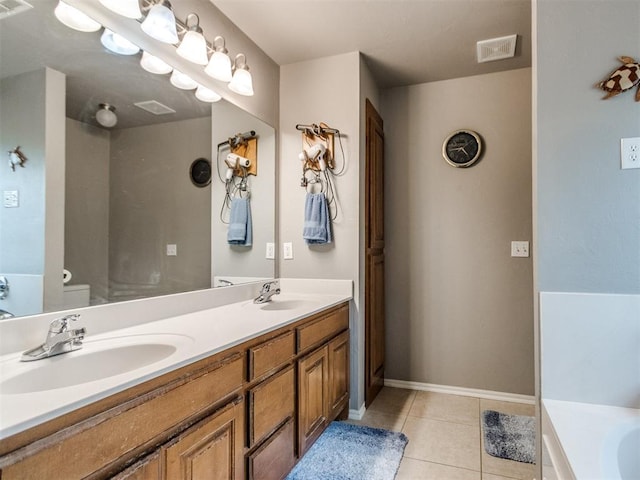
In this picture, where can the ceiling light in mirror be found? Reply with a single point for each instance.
(126, 8)
(182, 81)
(74, 18)
(194, 46)
(106, 115)
(207, 95)
(154, 64)
(117, 43)
(160, 23)
(241, 83)
(219, 66)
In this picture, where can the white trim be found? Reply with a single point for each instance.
(466, 392)
(357, 414)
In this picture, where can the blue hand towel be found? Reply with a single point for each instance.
(240, 229)
(317, 222)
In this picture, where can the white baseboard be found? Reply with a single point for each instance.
(357, 414)
(467, 392)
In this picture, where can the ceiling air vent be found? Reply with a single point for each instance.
(155, 107)
(11, 7)
(496, 48)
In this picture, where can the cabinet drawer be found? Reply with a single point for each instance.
(270, 404)
(323, 328)
(270, 355)
(275, 459)
(117, 434)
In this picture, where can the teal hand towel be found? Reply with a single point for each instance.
(240, 228)
(317, 222)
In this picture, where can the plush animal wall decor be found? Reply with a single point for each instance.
(16, 157)
(622, 79)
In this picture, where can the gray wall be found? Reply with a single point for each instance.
(588, 210)
(459, 309)
(153, 203)
(86, 252)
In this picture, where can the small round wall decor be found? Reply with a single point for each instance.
(462, 148)
(200, 172)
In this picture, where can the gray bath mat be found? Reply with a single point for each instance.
(509, 436)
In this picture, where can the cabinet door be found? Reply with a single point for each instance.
(313, 399)
(146, 469)
(211, 449)
(338, 374)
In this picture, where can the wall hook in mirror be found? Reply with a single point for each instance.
(16, 157)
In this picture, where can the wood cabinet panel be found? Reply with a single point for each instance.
(338, 374)
(276, 457)
(117, 434)
(322, 329)
(146, 469)
(313, 396)
(270, 404)
(212, 449)
(270, 355)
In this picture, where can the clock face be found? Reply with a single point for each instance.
(462, 148)
(200, 172)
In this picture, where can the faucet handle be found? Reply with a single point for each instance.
(60, 325)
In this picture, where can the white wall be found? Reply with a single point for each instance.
(458, 306)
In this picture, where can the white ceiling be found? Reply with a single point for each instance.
(404, 42)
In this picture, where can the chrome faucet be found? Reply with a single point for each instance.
(4, 314)
(60, 339)
(224, 283)
(269, 289)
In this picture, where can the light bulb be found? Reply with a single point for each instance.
(154, 64)
(117, 43)
(161, 23)
(106, 115)
(126, 8)
(219, 67)
(194, 46)
(241, 82)
(182, 81)
(207, 95)
(74, 18)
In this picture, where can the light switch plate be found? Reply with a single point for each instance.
(287, 250)
(11, 198)
(271, 251)
(172, 250)
(630, 153)
(520, 248)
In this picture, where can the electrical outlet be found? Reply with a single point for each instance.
(630, 153)
(172, 250)
(271, 251)
(287, 250)
(11, 198)
(520, 249)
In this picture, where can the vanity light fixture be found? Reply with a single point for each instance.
(126, 8)
(154, 64)
(182, 81)
(205, 94)
(74, 18)
(160, 23)
(194, 46)
(219, 66)
(106, 115)
(117, 43)
(241, 82)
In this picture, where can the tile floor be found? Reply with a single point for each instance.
(444, 431)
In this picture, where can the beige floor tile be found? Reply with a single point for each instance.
(449, 408)
(499, 466)
(381, 420)
(411, 469)
(395, 401)
(448, 443)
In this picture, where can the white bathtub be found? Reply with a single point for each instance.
(592, 442)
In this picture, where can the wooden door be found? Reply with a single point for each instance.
(374, 255)
(211, 449)
(313, 397)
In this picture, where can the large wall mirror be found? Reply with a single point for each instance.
(115, 207)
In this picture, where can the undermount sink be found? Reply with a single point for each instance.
(97, 360)
(276, 304)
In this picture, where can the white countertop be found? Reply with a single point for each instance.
(197, 335)
(582, 430)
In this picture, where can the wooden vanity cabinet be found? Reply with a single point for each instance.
(248, 412)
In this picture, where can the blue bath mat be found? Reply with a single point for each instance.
(511, 437)
(352, 452)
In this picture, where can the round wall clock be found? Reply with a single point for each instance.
(200, 172)
(462, 148)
